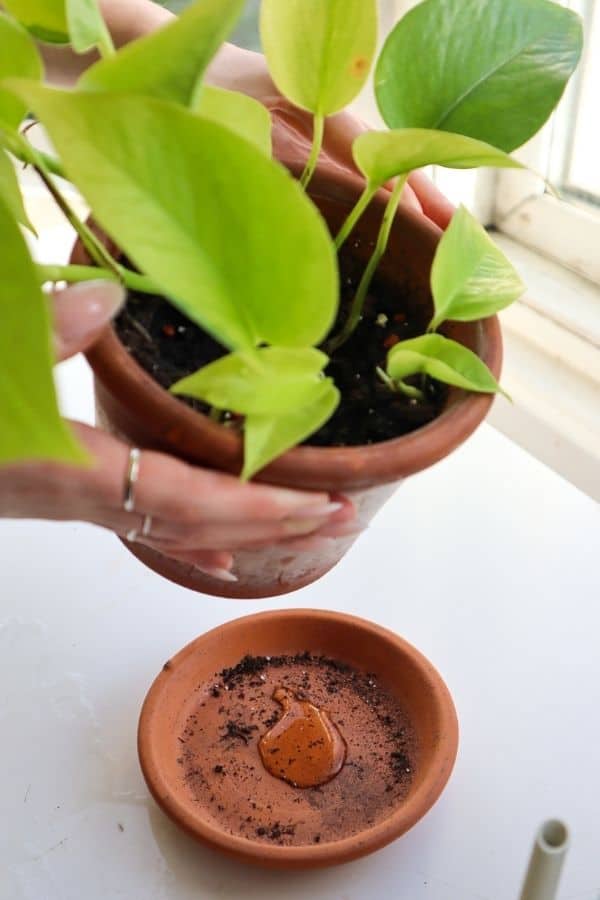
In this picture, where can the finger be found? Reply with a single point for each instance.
(216, 565)
(174, 491)
(435, 206)
(82, 312)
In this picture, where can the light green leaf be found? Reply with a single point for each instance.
(381, 155)
(87, 28)
(10, 191)
(181, 196)
(443, 359)
(30, 423)
(272, 380)
(238, 112)
(470, 278)
(19, 58)
(268, 436)
(319, 51)
(45, 19)
(170, 62)
(490, 69)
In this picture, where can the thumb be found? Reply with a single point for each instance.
(82, 312)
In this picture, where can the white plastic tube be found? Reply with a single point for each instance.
(547, 858)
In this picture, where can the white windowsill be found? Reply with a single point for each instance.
(552, 368)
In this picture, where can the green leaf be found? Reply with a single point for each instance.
(272, 380)
(238, 112)
(442, 359)
(87, 28)
(170, 62)
(268, 436)
(470, 278)
(490, 69)
(10, 191)
(19, 58)
(182, 197)
(31, 426)
(381, 155)
(45, 19)
(319, 51)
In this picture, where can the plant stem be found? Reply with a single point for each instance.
(354, 215)
(77, 274)
(413, 392)
(386, 379)
(365, 283)
(23, 151)
(105, 44)
(311, 165)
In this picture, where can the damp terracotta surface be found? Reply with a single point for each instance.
(297, 738)
(132, 405)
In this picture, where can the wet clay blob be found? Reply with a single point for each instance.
(356, 778)
(304, 748)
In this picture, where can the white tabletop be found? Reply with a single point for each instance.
(489, 563)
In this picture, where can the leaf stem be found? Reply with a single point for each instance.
(23, 151)
(77, 274)
(105, 44)
(365, 282)
(413, 392)
(317, 144)
(386, 379)
(354, 215)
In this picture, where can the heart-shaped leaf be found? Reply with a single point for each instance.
(87, 28)
(319, 51)
(45, 19)
(490, 69)
(238, 112)
(10, 191)
(470, 278)
(31, 424)
(170, 62)
(381, 155)
(182, 196)
(19, 57)
(271, 380)
(443, 359)
(268, 436)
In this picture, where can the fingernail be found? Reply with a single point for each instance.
(317, 512)
(301, 526)
(219, 574)
(85, 308)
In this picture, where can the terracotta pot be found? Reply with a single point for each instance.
(131, 404)
(397, 666)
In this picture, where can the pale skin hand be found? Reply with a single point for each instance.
(199, 515)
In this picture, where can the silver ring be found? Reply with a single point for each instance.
(132, 535)
(133, 473)
(147, 526)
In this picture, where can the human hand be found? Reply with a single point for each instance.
(195, 515)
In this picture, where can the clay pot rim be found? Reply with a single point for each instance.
(314, 467)
(407, 814)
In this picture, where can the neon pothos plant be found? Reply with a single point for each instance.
(180, 176)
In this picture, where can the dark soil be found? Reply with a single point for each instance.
(169, 347)
(222, 769)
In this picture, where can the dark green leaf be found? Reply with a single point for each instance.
(490, 69)
(170, 62)
(471, 278)
(270, 380)
(238, 112)
(31, 426)
(19, 58)
(182, 196)
(442, 359)
(381, 155)
(268, 436)
(319, 51)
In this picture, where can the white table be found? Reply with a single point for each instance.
(489, 563)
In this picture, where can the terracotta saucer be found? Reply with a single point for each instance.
(205, 718)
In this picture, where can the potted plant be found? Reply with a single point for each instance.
(304, 331)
